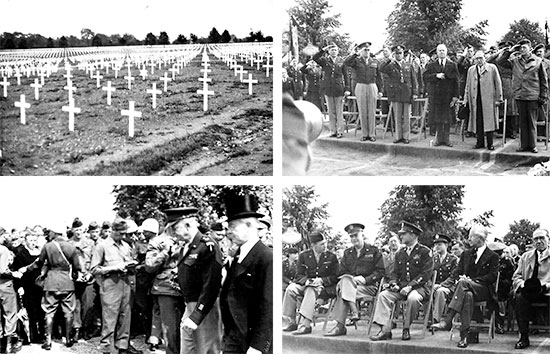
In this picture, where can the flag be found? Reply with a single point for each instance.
(546, 31)
(294, 46)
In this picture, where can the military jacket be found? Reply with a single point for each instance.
(326, 268)
(366, 71)
(414, 270)
(332, 82)
(369, 264)
(444, 268)
(161, 259)
(200, 274)
(402, 81)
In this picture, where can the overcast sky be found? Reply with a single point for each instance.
(367, 22)
(359, 200)
(54, 18)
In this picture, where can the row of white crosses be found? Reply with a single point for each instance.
(205, 92)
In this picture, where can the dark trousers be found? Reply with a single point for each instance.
(171, 310)
(442, 131)
(480, 133)
(528, 115)
(467, 292)
(524, 310)
(32, 301)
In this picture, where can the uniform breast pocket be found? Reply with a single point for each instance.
(248, 280)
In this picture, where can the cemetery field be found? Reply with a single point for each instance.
(234, 137)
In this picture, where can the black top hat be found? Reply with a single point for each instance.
(241, 206)
(442, 238)
(175, 214)
(409, 227)
(364, 45)
(353, 229)
(315, 237)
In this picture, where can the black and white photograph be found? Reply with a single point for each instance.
(429, 268)
(136, 269)
(136, 88)
(415, 87)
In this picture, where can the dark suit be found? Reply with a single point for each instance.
(440, 93)
(247, 302)
(480, 287)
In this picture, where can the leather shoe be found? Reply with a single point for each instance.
(463, 343)
(333, 135)
(406, 334)
(444, 326)
(47, 346)
(534, 150)
(522, 343)
(492, 147)
(336, 331)
(478, 146)
(449, 144)
(153, 347)
(372, 138)
(291, 327)
(339, 135)
(302, 330)
(438, 144)
(365, 138)
(381, 336)
(521, 150)
(405, 141)
(396, 141)
(130, 350)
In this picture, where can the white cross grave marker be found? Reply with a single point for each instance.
(42, 74)
(154, 92)
(98, 77)
(70, 88)
(143, 73)
(267, 66)
(5, 83)
(22, 106)
(109, 89)
(131, 113)
(36, 86)
(241, 72)
(205, 92)
(250, 82)
(116, 69)
(129, 78)
(18, 76)
(165, 79)
(72, 110)
(173, 70)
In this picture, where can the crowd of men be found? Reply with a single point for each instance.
(478, 79)
(187, 287)
(405, 270)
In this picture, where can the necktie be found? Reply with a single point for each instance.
(536, 269)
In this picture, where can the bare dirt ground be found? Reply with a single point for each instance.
(233, 138)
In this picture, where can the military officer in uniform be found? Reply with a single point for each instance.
(444, 264)
(199, 276)
(112, 261)
(367, 88)
(409, 281)
(317, 275)
(361, 270)
(402, 89)
(246, 298)
(475, 276)
(312, 72)
(161, 259)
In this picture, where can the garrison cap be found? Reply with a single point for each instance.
(354, 228)
(409, 227)
(315, 237)
(106, 225)
(76, 222)
(364, 45)
(175, 214)
(442, 238)
(93, 226)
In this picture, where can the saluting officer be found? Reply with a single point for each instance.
(402, 89)
(367, 88)
(444, 264)
(199, 276)
(361, 270)
(409, 281)
(317, 277)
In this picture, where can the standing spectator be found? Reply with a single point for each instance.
(530, 86)
(367, 89)
(288, 84)
(312, 73)
(463, 62)
(332, 86)
(112, 260)
(506, 269)
(297, 78)
(442, 77)
(483, 91)
(247, 294)
(105, 230)
(402, 89)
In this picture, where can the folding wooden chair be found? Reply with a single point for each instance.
(351, 113)
(421, 117)
(489, 326)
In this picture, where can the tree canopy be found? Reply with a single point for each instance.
(521, 233)
(524, 29)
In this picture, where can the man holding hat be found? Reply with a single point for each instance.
(409, 281)
(531, 283)
(475, 276)
(61, 258)
(444, 264)
(317, 275)
(361, 269)
(112, 261)
(402, 89)
(247, 294)
(199, 277)
(367, 88)
(530, 87)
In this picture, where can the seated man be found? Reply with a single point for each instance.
(444, 264)
(317, 274)
(409, 281)
(361, 270)
(290, 264)
(531, 282)
(475, 278)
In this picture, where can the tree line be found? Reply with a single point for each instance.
(19, 40)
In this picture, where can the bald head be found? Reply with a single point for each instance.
(441, 51)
